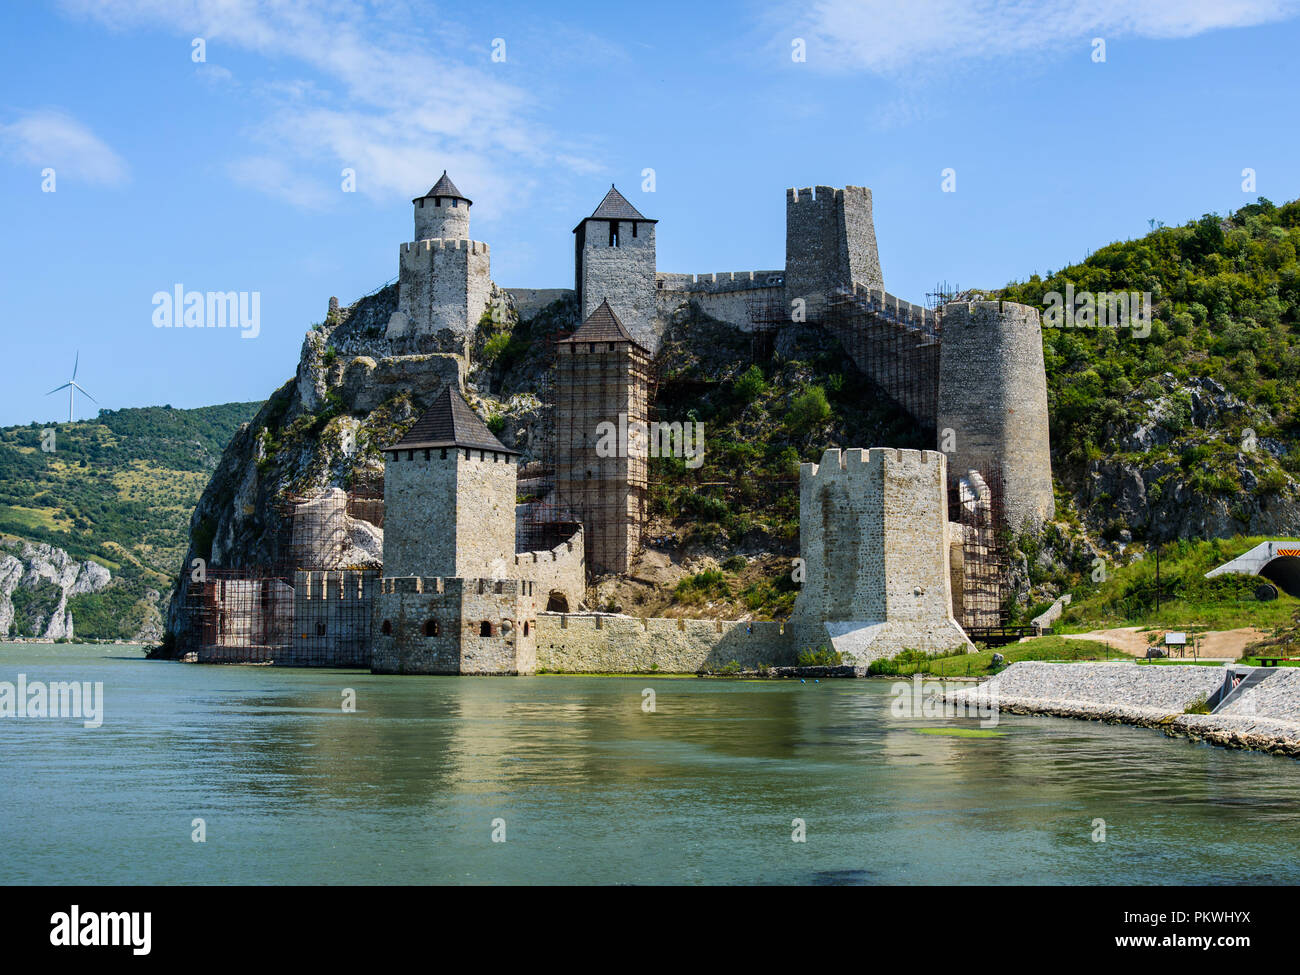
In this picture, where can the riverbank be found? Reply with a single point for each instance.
(1267, 719)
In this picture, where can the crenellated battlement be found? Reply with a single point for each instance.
(857, 462)
(430, 585)
(444, 244)
(720, 282)
(959, 313)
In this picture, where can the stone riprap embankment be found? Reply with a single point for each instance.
(1266, 718)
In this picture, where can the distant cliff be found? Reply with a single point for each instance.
(37, 584)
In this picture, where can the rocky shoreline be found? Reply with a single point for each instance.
(1154, 697)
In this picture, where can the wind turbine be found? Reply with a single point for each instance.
(72, 387)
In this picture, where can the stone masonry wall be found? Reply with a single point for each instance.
(443, 289)
(726, 296)
(830, 242)
(450, 516)
(625, 275)
(873, 534)
(560, 570)
(408, 607)
(993, 396)
(448, 220)
(597, 643)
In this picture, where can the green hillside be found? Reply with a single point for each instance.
(118, 489)
(1225, 295)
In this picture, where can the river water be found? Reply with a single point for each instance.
(588, 787)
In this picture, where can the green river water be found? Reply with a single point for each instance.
(593, 789)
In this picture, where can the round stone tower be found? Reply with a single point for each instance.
(442, 213)
(993, 403)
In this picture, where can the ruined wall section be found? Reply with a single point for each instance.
(561, 570)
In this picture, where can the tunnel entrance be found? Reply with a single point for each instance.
(1284, 572)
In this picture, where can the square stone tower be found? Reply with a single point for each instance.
(449, 496)
(830, 242)
(614, 261)
(601, 436)
(444, 277)
(444, 604)
(873, 535)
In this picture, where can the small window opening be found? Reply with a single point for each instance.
(386, 628)
(485, 628)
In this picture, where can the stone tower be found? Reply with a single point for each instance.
(601, 436)
(873, 534)
(614, 261)
(830, 242)
(449, 496)
(993, 397)
(444, 604)
(444, 277)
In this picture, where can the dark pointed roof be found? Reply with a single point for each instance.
(602, 325)
(450, 422)
(616, 207)
(444, 187)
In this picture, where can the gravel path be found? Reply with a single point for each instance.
(1266, 718)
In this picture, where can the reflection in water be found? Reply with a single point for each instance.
(593, 789)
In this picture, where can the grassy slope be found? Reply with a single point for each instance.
(118, 489)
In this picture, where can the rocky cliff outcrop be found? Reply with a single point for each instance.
(1192, 464)
(36, 582)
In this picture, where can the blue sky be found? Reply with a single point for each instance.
(226, 175)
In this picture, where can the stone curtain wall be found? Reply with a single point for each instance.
(560, 570)
(625, 275)
(724, 296)
(332, 619)
(602, 644)
(993, 395)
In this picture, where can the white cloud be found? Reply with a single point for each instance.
(891, 38)
(391, 98)
(49, 137)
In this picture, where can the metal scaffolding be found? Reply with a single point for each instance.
(894, 344)
(309, 606)
(975, 507)
(600, 394)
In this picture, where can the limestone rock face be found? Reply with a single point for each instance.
(41, 578)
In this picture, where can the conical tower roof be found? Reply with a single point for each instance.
(615, 207)
(602, 325)
(450, 422)
(444, 187)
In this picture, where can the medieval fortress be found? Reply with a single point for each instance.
(896, 546)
